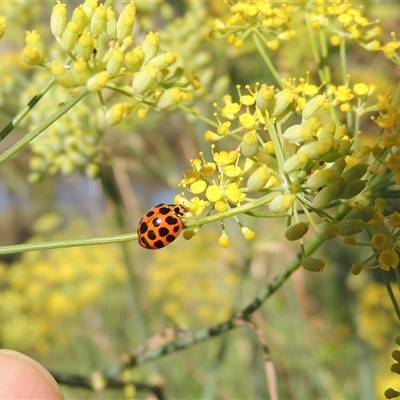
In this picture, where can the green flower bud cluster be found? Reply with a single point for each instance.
(101, 48)
(69, 145)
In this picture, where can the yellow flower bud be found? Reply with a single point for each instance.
(150, 46)
(249, 144)
(313, 264)
(145, 79)
(349, 227)
(340, 132)
(89, 6)
(320, 178)
(259, 178)
(134, 59)
(85, 46)
(296, 231)
(328, 129)
(299, 133)
(31, 55)
(115, 62)
(326, 230)
(293, 134)
(63, 75)
(220, 206)
(98, 22)
(169, 99)
(111, 24)
(373, 45)
(58, 19)
(282, 203)
(316, 149)
(284, 99)
(248, 234)
(81, 72)
(98, 81)
(79, 15)
(117, 113)
(316, 103)
(224, 241)
(332, 191)
(164, 60)
(265, 97)
(35, 51)
(126, 21)
(70, 36)
(295, 162)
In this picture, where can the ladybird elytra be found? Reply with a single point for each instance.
(160, 226)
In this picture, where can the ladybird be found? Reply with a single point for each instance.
(160, 226)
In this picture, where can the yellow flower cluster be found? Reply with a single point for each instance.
(306, 166)
(268, 20)
(344, 21)
(219, 189)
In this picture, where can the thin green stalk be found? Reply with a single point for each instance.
(314, 47)
(193, 223)
(191, 111)
(326, 73)
(343, 60)
(390, 292)
(257, 38)
(62, 244)
(343, 64)
(25, 111)
(41, 127)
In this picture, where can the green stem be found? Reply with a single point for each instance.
(191, 111)
(314, 47)
(25, 111)
(326, 73)
(390, 292)
(193, 223)
(62, 244)
(40, 128)
(257, 38)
